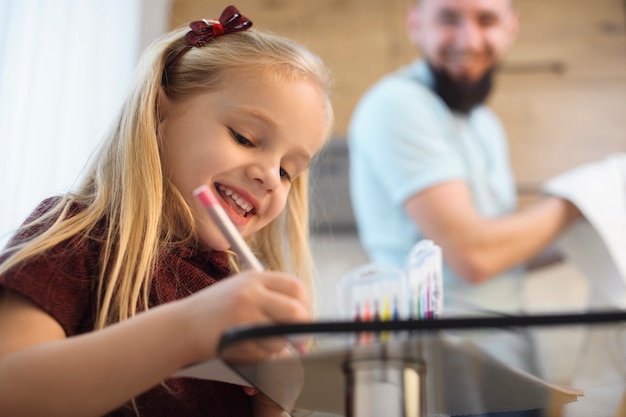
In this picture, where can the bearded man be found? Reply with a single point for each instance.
(429, 160)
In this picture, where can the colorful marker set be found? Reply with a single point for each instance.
(382, 292)
(371, 293)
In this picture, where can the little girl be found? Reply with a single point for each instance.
(108, 290)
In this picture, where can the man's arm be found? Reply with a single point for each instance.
(477, 248)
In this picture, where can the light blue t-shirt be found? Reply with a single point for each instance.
(402, 140)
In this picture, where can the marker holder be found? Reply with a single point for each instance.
(384, 292)
(424, 281)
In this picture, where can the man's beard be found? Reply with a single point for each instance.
(462, 95)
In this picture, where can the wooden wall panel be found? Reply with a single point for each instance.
(558, 120)
(556, 126)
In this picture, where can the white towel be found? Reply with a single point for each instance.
(597, 244)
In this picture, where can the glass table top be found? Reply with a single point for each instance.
(566, 365)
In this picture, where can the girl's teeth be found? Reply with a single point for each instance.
(240, 201)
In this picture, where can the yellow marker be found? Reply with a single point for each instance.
(386, 313)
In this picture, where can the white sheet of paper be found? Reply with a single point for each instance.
(215, 370)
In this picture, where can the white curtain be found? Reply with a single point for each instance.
(65, 66)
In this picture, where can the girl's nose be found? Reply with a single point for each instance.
(267, 175)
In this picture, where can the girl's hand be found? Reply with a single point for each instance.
(247, 298)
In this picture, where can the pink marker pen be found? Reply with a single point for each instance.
(248, 260)
(219, 216)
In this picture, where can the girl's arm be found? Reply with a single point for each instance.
(44, 373)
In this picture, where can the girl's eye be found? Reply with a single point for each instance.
(285, 175)
(242, 140)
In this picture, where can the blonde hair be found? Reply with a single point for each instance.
(125, 189)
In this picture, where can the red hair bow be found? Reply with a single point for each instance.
(202, 31)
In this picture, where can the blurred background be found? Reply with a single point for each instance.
(65, 65)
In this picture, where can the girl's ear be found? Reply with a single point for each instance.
(163, 104)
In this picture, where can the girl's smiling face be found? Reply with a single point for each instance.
(247, 141)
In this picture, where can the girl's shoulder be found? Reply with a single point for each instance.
(45, 214)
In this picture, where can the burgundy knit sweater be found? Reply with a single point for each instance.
(62, 283)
